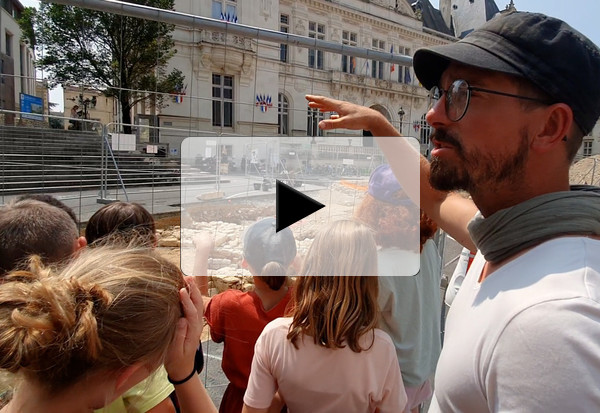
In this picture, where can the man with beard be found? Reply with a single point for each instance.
(511, 103)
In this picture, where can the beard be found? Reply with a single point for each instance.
(475, 169)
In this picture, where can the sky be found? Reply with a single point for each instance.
(580, 14)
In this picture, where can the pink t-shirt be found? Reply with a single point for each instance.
(317, 379)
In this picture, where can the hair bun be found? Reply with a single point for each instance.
(89, 301)
(86, 293)
(40, 312)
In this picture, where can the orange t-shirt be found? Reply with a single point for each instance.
(237, 319)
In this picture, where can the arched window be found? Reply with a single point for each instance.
(283, 120)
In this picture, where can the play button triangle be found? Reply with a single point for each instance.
(292, 205)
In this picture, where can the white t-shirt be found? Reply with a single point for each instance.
(318, 380)
(527, 338)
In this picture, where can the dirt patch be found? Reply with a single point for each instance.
(228, 212)
(165, 221)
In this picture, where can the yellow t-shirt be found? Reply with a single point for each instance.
(143, 396)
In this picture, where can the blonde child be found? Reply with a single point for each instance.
(329, 356)
(80, 337)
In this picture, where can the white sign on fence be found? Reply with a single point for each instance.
(122, 142)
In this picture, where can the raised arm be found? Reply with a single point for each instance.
(191, 393)
(203, 244)
(351, 116)
(451, 211)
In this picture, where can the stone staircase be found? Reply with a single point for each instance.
(46, 160)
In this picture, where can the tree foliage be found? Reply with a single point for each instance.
(122, 56)
(26, 22)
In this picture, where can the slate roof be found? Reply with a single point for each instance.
(490, 9)
(432, 17)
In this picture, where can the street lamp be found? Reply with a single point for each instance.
(401, 114)
(85, 104)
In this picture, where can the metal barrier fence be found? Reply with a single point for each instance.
(242, 144)
(99, 163)
(247, 142)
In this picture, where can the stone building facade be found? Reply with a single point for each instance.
(244, 86)
(17, 72)
(250, 87)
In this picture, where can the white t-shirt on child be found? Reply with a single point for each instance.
(317, 379)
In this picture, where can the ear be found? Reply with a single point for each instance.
(128, 377)
(558, 119)
(79, 244)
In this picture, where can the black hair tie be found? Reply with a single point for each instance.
(176, 382)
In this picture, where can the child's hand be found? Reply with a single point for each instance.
(182, 350)
(204, 241)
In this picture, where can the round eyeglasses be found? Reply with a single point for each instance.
(458, 96)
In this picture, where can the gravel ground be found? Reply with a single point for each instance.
(586, 171)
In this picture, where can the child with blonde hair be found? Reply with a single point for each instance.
(80, 337)
(129, 224)
(329, 356)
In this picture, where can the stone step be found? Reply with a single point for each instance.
(33, 159)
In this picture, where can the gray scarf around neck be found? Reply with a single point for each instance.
(511, 230)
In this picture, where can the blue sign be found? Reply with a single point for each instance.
(32, 106)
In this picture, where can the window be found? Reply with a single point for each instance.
(587, 148)
(282, 115)
(222, 105)
(404, 75)
(349, 62)
(425, 131)
(314, 116)
(8, 6)
(377, 66)
(225, 10)
(146, 131)
(9, 40)
(315, 57)
(284, 27)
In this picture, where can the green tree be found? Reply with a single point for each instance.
(56, 123)
(122, 56)
(26, 22)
